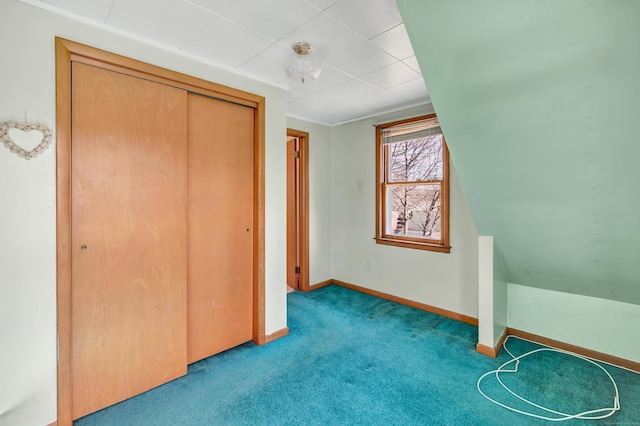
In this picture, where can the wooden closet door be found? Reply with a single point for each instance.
(129, 157)
(220, 289)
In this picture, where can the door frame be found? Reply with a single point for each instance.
(303, 199)
(67, 52)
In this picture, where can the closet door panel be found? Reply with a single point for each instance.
(221, 164)
(129, 267)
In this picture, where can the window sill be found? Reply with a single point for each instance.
(414, 245)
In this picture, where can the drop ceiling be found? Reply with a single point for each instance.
(370, 67)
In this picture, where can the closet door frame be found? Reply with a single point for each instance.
(67, 52)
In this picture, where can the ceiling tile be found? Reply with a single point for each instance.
(210, 5)
(320, 100)
(412, 62)
(395, 42)
(273, 18)
(223, 40)
(155, 35)
(328, 116)
(380, 100)
(298, 91)
(360, 59)
(366, 110)
(321, 4)
(414, 91)
(392, 75)
(325, 34)
(333, 116)
(380, 15)
(213, 54)
(351, 89)
(370, 67)
(297, 109)
(344, 111)
(174, 17)
(268, 63)
(92, 9)
(330, 77)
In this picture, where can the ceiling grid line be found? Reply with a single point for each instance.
(369, 64)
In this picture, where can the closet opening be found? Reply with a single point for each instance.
(141, 263)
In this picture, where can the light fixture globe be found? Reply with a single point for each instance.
(302, 66)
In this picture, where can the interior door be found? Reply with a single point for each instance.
(297, 210)
(128, 236)
(221, 225)
(293, 212)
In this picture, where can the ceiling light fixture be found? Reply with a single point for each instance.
(302, 66)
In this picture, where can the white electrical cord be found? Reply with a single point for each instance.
(586, 415)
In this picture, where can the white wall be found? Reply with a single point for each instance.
(492, 293)
(500, 295)
(27, 194)
(601, 325)
(486, 324)
(319, 198)
(448, 281)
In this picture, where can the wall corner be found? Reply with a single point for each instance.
(492, 296)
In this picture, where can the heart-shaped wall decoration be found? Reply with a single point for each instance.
(24, 127)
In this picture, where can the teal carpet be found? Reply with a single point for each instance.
(353, 359)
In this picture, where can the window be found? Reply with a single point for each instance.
(413, 185)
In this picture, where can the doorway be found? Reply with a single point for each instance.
(297, 210)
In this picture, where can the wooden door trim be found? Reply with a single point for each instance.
(259, 336)
(63, 231)
(114, 62)
(292, 212)
(303, 238)
(66, 52)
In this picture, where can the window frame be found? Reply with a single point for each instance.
(382, 237)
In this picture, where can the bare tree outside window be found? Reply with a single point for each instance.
(413, 192)
(416, 206)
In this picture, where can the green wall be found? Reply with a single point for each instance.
(598, 324)
(539, 101)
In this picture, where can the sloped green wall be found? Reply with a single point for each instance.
(540, 104)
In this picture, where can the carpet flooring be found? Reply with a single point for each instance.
(354, 359)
